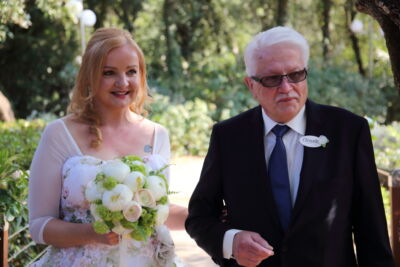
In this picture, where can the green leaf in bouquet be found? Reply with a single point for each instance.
(129, 159)
(163, 200)
(138, 168)
(159, 172)
(104, 212)
(128, 225)
(97, 202)
(148, 230)
(100, 177)
(109, 183)
(100, 227)
(139, 233)
(110, 224)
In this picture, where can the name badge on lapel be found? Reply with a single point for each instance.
(314, 141)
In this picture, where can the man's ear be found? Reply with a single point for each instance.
(249, 83)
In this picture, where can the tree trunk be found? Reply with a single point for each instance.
(100, 7)
(350, 13)
(387, 13)
(281, 12)
(326, 8)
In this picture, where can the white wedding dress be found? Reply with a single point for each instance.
(59, 174)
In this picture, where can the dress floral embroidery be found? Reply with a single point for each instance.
(157, 251)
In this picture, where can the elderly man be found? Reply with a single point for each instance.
(298, 179)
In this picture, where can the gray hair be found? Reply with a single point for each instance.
(274, 36)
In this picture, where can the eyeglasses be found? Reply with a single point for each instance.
(276, 80)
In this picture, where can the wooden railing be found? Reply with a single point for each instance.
(6, 238)
(393, 181)
(4, 245)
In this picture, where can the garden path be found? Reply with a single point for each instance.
(185, 173)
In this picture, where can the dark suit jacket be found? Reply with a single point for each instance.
(339, 194)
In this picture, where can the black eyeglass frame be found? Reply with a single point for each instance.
(260, 80)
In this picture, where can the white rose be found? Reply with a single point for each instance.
(157, 186)
(145, 198)
(119, 229)
(132, 211)
(162, 214)
(135, 181)
(93, 191)
(76, 181)
(117, 198)
(116, 169)
(164, 235)
(323, 140)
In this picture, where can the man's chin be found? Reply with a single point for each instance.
(288, 113)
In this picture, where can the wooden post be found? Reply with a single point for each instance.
(394, 188)
(4, 245)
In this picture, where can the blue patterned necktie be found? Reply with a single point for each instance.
(278, 173)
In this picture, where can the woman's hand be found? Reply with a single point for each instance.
(110, 238)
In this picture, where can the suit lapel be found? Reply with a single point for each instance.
(313, 157)
(257, 146)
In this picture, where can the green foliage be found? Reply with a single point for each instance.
(19, 139)
(38, 62)
(337, 86)
(17, 144)
(386, 139)
(189, 124)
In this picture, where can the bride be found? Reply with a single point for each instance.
(104, 122)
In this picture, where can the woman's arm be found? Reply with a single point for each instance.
(45, 185)
(65, 234)
(176, 218)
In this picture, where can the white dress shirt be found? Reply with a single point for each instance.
(294, 154)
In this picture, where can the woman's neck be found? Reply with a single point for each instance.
(116, 118)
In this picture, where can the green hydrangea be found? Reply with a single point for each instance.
(138, 168)
(103, 212)
(100, 227)
(109, 183)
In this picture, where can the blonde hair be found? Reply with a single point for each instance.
(88, 79)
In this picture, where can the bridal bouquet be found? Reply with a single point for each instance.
(128, 197)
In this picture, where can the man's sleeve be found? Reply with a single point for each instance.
(228, 243)
(204, 222)
(369, 223)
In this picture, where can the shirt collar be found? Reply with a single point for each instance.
(297, 124)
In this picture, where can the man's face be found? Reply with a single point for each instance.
(282, 102)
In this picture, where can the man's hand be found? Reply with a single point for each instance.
(249, 249)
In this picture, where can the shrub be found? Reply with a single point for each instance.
(334, 85)
(189, 124)
(17, 144)
(386, 139)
